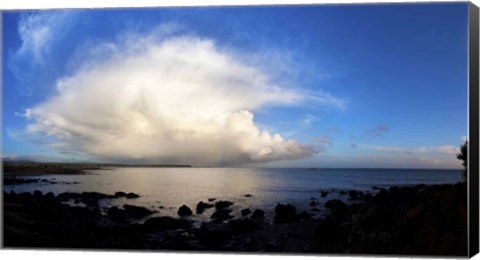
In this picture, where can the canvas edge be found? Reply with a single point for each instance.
(473, 162)
(473, 127)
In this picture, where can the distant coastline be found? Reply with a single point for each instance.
(32, 168)
(26, 168)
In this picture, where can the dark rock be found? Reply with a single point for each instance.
(223, 204)
(37, 193)
(245, 212)
(285, 214)
(381, 196)
(95, 195)
(211, 199)
(326, 233)
(303, 216)
(184, 211)
(90, 199)
(222, 214)
(353, 194)
(420, 187)
(336, 206)
(201, 206)
(323, 194)
(258, 214)
(136, 212)
(116, 214)
(68, 196)
(215, 234)
(50, 196)
(120, 194)
(248, 195)
(315, 209)
(166, 223)
(367, 197)
(132, 195)
(18, 181)
(398, 221)
(313, 203)
(343, 192)
(241, 226)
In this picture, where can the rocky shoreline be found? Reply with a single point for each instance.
(421, 220)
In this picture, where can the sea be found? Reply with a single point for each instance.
(164, 190)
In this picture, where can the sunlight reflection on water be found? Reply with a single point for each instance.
(166, 189)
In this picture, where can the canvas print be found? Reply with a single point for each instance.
(313, 129)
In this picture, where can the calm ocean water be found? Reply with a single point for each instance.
(166, 189)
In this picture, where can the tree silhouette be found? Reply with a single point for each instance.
(463, 155)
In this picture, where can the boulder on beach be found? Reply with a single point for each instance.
(95, 195)
(132, 195)
(245, 212)
(136, 212)
(116, 214)
(222, 214)
(336, 206)
(304, 215)
(50, 196)
(68, 196)
(88, 198)
(202, 206)
(184, 211)
(120, 194)
(166, 223)
(215, 234)
(223, 204)
(353, 194)
(248, 195)
(18, 181)
(258, 214)
(323, 194)
(241, 226)
(285, 214)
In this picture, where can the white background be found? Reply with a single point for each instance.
(82, 255)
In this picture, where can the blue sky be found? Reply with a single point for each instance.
(299, 86)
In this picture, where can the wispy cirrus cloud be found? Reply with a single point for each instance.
(308, 120)
(428, 160)
(323, 142)
(168, 98)
(323, 139)
(39, 32)
(375, 132)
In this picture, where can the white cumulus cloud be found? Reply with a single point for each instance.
(178, 99)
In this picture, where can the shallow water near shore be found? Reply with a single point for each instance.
(166, 189)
